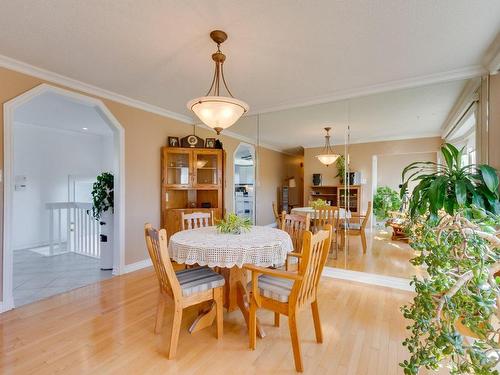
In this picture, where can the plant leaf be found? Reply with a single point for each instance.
(461, 192)
(489, 177)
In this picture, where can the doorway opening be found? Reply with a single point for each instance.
(56, 144)
(244, 181)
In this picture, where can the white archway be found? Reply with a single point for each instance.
(119, 183)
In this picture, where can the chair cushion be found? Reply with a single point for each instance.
(355, 226)
(276, 288)
(196, 280)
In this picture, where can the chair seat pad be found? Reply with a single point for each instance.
(355, 226)
(276, 288)
(197, 280)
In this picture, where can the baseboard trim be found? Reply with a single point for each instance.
(369, 278)
(6, 306)
(137, 265)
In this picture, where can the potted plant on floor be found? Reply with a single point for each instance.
(102, 210)
(453, 227)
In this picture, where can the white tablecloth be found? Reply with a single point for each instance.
(261, 246)
(309, 210)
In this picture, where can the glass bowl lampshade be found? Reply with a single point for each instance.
(218, 112)
(328, 156)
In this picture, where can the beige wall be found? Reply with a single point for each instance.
(361, 156)
(494, 123)
(145, 133)
(390, 166)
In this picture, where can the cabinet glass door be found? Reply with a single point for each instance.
(207, 166)
(177, 165)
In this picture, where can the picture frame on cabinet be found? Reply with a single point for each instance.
(173, 142)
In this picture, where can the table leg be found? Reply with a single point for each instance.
(204, 319)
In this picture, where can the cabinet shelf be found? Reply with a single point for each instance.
(337, 195)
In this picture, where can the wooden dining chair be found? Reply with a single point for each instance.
(324, 216)
(295, 226)
(277, 216)
(185, 288)
(197, 220)
(357, 227)
(288, 292)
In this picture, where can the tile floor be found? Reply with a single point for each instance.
(37, 277)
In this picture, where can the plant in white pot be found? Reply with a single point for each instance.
(102, 210)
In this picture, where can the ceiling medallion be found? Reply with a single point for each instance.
(216, 111)
(328, 156)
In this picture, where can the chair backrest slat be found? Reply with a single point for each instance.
(156, 242)
(367, 215)
(315, 252)
(197, 220)
(295, 226)
(276, 215)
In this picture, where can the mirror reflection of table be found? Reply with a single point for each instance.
(342, 212)
(260, 246)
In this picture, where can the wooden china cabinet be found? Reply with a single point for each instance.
(192, 180)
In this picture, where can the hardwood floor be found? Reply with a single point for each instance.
(107, 328)
(383, 256)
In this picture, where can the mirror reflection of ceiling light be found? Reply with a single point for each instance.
(328, 156)
(201, 163)
(85, 128)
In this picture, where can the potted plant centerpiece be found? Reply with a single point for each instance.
(454, 227)
(102, 210)
(233, 224)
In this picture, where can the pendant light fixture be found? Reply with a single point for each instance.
(218, 112)
(328, 156)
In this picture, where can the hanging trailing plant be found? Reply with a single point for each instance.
(454, 228)
(461, 256)
(450, 186)
(385, 200)
(103, 194)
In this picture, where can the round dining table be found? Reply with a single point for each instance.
(227, 253)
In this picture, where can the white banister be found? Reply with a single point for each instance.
(82, 229)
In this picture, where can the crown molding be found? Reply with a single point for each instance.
(22, 67)
(448, 76)
(379, 139)
(491, 59)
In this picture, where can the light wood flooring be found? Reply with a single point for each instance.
(383, 256)
(107, 328)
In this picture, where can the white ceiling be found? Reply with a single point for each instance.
(281, 54)
(51, 110)
(410, 113)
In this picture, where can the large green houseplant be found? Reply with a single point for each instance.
(453, 226)
(103, 194)
(450, 185)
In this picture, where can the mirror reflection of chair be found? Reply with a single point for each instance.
(355, 226)
(295, 226)
(197, 220)
(287, 293)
